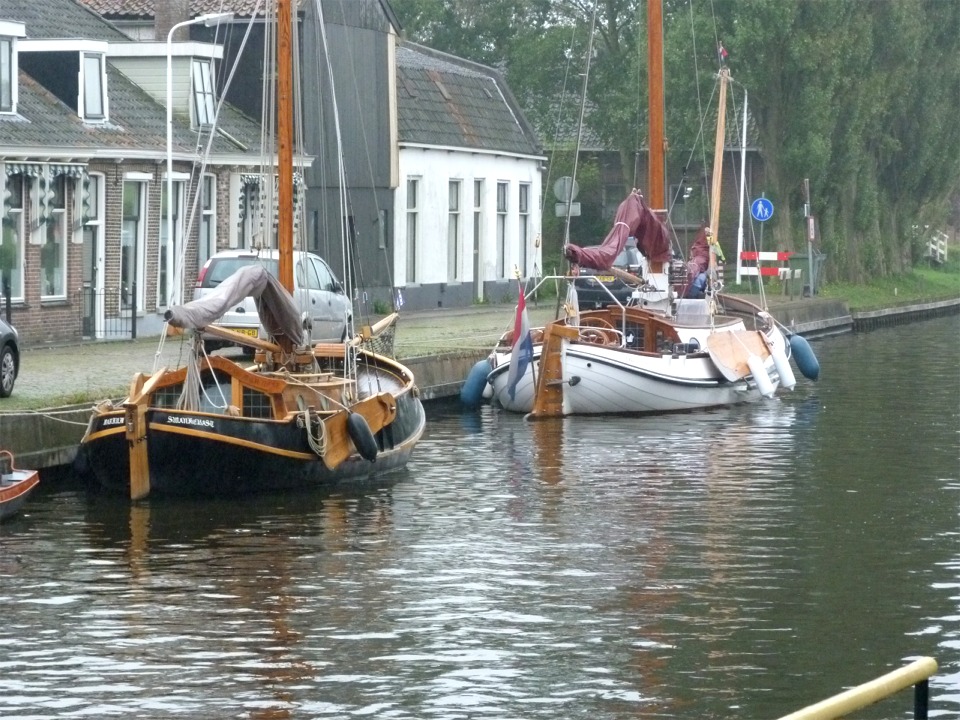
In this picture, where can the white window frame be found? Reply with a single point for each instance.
(454, 250)
(15, 224)
(202, 90)
(478, 188)
(168, 251)
(10, 32)
(93, 87)
(207, 235)
(523, 209)
(412, 227)
(8, 75)
(142, 181)
(503, 208)
(54, 232)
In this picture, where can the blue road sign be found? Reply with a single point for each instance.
(761, 209)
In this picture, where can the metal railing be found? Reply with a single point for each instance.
(916, 673)
(116, 323)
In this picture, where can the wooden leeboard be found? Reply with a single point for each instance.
(730, 350)
(378, 411)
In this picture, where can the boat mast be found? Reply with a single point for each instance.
(285, 143)
(656, 183)
(717, 171)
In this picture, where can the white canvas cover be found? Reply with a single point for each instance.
(278, 312)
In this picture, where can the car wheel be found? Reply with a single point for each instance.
(8, 371)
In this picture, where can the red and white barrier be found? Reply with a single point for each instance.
(759, 257)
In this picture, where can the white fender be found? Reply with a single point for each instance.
(760, 376)
(787, 379)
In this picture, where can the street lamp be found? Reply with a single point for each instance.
(209, 20)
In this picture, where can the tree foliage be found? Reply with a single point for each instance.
(859, 98)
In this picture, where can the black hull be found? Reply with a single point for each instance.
(216, 455)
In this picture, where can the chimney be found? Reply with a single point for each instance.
(166, 14)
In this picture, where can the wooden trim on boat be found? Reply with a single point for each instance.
(379, 410)
(548, 398)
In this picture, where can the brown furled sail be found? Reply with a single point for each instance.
(634, 218)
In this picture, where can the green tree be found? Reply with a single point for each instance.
(859, 98)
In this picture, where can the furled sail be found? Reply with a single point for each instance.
(278, 312)
(634, 219)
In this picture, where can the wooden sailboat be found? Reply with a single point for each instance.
(303, 414)
(659, 352)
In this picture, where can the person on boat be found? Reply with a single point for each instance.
(698, 260)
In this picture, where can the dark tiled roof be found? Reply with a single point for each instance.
(130, 9)
(58, 19)
(137, 124)
(446, 101)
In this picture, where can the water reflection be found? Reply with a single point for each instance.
(743, 562)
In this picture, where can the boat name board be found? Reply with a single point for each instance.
(195, 422)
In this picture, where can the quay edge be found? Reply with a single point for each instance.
(48, 439)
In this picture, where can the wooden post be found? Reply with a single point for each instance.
(136, 427)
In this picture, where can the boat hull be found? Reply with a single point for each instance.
(601, 380)
(15, 488)
(195, 453)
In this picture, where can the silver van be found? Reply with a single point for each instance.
(317, 292)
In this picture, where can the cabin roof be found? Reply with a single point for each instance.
(450, 102)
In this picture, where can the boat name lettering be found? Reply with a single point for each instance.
(197, 422)
(109, 422)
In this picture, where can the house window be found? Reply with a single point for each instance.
(453, 231)
(413, 186)
(53, 251)
(7, 74)
(477, 226)
(11, 241)
(132, 234)
(204, 104)
(208, 219)
(249, 229)
(502, 189)
(166, 261)
(93, 95)
(382, 230)
(524, 207)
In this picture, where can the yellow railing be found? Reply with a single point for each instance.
(859, 697)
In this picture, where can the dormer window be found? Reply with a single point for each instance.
(204, 102)
(6, 74)
(9, 33)
(92, 69)
(73, 70)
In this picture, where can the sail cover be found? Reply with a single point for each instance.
(278, 312)
(634, 219)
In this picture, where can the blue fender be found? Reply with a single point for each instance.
(804, 357)
(471, 394)
(362, 436)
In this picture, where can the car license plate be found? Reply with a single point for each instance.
(252, 332)
(605, 278)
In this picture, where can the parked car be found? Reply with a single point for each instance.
(593, 286)
(9, 358)
(317, 291)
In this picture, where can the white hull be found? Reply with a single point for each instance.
(611, 378)
(618, 381)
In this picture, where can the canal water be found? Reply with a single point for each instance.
(733, 564)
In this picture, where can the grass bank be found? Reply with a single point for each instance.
(922, 284)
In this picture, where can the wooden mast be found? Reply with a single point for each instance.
(656, 184)
(717, 178)
(285, 143)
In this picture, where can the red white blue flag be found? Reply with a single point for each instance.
(522, 353)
